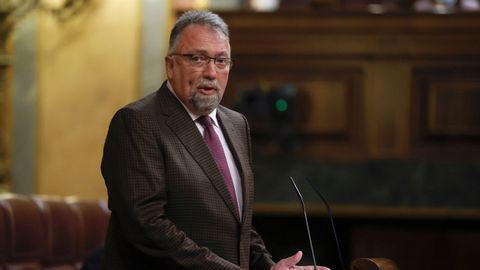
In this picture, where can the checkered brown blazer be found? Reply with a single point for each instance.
(170, 206)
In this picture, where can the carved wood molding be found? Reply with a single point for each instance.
(335, 35)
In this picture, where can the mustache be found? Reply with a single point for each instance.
(208, 84)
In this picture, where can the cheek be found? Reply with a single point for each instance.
(223, 79)
(191, 77)
(186, 78)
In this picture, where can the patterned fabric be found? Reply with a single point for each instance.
(215, 146)
(171, 208)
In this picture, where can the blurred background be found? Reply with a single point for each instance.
(373, 103)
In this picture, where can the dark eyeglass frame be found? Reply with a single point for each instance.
(200, 60)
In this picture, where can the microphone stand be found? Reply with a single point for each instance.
(330, 217)
(306, 221)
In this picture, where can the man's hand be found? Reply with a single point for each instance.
(290, 263)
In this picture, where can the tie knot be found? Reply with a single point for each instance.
(205, 120)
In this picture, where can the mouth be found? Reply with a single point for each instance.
(207, 90)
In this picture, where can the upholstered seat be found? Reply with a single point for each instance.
(21, 233)
(61, 235)
(92, 220)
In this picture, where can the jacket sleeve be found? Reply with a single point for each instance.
(260, 258)
(132, 167)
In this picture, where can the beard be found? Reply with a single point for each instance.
(205, 104)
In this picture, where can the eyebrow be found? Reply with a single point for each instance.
(223, 54)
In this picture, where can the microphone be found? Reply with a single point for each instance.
(306, 221)
(330, 217)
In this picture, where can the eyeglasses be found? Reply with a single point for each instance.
(199, 60)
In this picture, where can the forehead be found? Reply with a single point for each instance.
(202, 38)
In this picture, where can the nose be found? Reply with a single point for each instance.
(210, 70)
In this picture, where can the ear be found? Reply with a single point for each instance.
(169, 63)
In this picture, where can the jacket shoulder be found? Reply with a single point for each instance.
(231, 114)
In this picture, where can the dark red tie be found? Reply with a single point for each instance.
(215, 146)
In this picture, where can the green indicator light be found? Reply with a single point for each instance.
(281, 105)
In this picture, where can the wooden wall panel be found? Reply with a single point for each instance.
(375, 60)
(445, 114)
(328, 107)
(453, 109)
(361, 35)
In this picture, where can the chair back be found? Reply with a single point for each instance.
(21, 233)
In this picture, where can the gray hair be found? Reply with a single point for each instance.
(206, 18)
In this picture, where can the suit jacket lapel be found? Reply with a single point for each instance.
(185, 129)
(232, 137)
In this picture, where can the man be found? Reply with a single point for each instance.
(176, 201)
